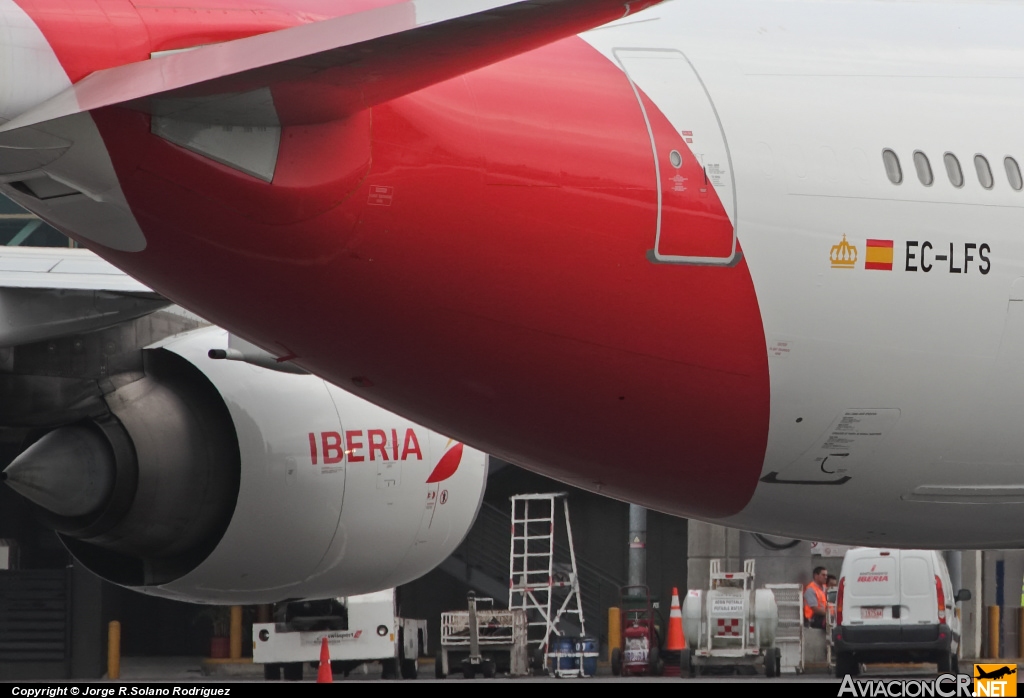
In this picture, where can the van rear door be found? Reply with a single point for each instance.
(917, 583)
(872, 589)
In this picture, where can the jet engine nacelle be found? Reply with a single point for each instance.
(224, 482)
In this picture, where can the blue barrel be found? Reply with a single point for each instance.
(589, 645)
(564, 645)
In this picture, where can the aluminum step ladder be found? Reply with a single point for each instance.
(789, 636)
(545, 588)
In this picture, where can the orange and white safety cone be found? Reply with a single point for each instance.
(323, 674)
(676, 641)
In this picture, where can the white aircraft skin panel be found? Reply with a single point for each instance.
(809, 94)
(29, 71)
(72, 269)
(415, 516)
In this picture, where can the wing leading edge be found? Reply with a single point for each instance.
(46, 293)
(326, 70)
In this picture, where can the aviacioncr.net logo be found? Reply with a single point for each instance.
(995, 680)
(945, 686)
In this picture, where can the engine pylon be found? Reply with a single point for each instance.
(323, 673)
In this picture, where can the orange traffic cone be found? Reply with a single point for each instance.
(323, 674)
(676, 639)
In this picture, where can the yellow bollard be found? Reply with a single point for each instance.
(1020, 632)
(114, 650)
(236, 632)
(614, 630)
(993, 632)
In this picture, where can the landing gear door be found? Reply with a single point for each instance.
(696, 221)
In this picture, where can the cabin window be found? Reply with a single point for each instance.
(1013, 173)
(924, 168)
(956, 175)
(892, 166)
(984, 171)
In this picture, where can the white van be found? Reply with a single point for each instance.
(896, 605)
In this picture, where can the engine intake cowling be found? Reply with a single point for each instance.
(225, 482)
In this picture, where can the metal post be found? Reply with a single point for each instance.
(236, 632)
(993, 632)
(114, 650)
(474, 631)
(614, 630)
(1020, 633)
(637, 574)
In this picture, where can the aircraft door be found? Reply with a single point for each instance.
(696, 190)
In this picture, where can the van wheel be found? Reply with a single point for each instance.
(945, 662)
(955, 664)
(845, 665)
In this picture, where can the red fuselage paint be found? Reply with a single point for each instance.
(478, 251)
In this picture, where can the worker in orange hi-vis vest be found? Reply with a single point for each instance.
(815, 601)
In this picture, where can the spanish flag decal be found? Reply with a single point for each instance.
(879, 255)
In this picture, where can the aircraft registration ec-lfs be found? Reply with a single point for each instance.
(754, 262)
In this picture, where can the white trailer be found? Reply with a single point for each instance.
(359, 629)
(731, 624)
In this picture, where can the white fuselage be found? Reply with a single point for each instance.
(917, 375)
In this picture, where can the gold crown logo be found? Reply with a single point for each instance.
(843, 255)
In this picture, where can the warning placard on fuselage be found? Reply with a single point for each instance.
(851, 439)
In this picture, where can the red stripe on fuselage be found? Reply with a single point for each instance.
(500, 292)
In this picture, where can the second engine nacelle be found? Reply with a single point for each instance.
(223, 482)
